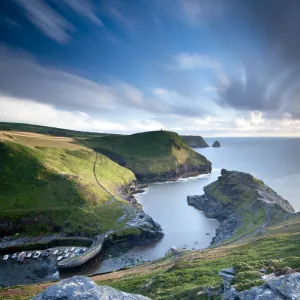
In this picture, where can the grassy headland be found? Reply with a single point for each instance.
(52, 189)
(152, 156)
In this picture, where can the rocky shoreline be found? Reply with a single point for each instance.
(242, 204)
(228, 218)
(184, 170)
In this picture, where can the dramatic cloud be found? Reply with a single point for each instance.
(23, 77)
(272, 77)
(187, 61)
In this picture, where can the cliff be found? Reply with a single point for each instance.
(194, 141)
(243, 205)
(152, 156)
(52, 185)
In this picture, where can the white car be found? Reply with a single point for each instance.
(29, 254)
(15, 255)
(5, 257)
(59, 258)
(66, 255)
(72, 249)
(55, 252)
(37, 254)
(66, 251)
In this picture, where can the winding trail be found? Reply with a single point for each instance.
(94, 167)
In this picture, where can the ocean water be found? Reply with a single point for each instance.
(274, 160)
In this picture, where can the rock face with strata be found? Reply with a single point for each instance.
(242, 204)
(285, 287)
(83, 288)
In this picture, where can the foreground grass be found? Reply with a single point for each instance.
(184, 276)
(145, 153)
(47, 190)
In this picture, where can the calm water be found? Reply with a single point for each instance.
(276, 161)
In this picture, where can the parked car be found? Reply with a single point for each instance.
(66, 251)
(29, 254)
(5, 257)
(22, 256)
(66, 255)
(37, 254)
(56, 252)
(15, 255)
(60, 252)
(59, 257)
(72, 249)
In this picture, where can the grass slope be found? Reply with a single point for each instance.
(150, 153)
(46, 130)
(46, 190)
(187, 276)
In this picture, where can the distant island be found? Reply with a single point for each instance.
(194, 141)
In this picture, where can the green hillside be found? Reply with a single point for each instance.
(55, 189)
(156, 155)
(46, 130)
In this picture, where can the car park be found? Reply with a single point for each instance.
(37, 254)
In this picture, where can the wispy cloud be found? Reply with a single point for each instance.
(47, 20)
(84, 9)
(191, 61)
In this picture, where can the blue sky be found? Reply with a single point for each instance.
(213, 68)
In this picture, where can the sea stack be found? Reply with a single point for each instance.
(216, 144)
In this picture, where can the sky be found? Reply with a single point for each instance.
(204, 67)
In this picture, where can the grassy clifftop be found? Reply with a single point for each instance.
(156, 155)
(51, 189)
(243, 204)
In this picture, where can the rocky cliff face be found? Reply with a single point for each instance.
(184, 170)
(194, 141)
(83, 288)
(242, 204)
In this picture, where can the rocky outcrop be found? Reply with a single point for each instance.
(184, 170)
(83, 288)
(194, 141)
(216, 144)
(285, 287)
(240, 201)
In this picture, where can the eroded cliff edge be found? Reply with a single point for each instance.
(243, 205)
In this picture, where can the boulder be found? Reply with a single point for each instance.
(285, 287)
(83, 288)
(216, 144)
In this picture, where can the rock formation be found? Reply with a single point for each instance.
(216, 144)
(83, 288)
(283, 287)
(240, 201)
(194, 141)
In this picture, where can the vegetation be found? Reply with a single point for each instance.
(46, 190)
(151, 153)
(242, 193)
(46, 130)
(187, 275)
